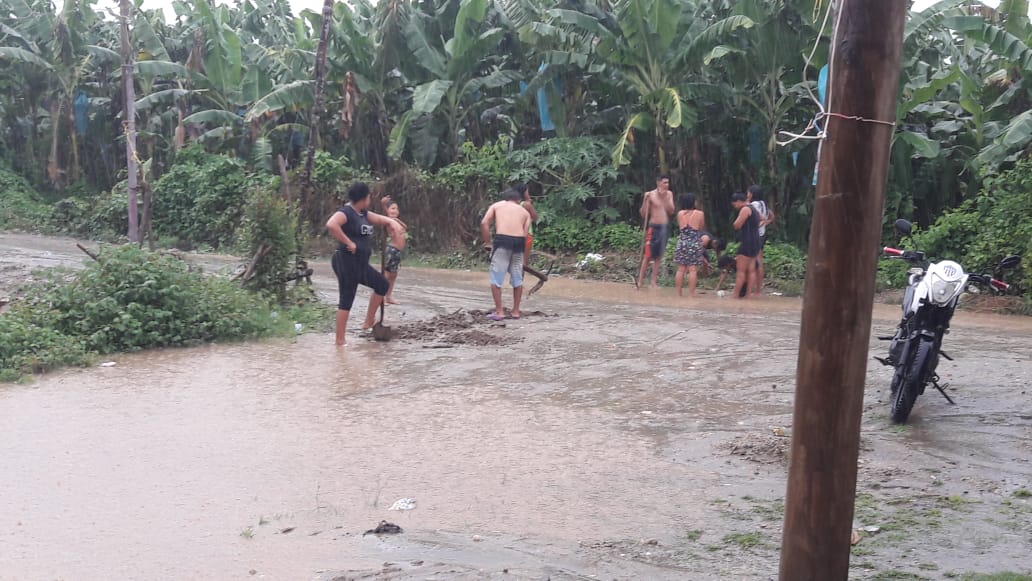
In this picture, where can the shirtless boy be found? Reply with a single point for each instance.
(656, 208)
(512, 226)
(395, 247)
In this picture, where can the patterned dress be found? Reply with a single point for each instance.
(689, 251)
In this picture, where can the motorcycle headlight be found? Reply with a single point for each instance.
(943, 291)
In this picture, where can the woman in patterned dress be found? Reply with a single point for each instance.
(689, 252)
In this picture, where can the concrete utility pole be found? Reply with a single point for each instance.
(836, 326)
(129, 118)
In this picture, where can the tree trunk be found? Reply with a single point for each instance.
(53, 165)
(76, 171)
(320, 93)
(129, 118)
(834, 339)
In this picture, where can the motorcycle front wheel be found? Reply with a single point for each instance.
(908, 380)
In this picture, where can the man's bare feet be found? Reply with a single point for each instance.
(514, 314)
(390, 301)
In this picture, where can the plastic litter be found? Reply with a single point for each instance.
(403, 504)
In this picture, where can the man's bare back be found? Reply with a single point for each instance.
(510, 219)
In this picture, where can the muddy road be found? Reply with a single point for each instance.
(629, 436)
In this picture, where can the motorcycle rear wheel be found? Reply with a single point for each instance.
(912, 377)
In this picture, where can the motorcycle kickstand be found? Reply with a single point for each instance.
(942, 390)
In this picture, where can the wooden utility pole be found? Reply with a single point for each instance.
(836, 326)
(129, 118)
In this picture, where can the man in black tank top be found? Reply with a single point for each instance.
(352, 226)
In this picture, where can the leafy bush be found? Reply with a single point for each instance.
(132, 299)
(271, 223)
(784, 261)
(331, 176)
(573, 172)
(101, 217)
(21, 206)
(201, 198)
(485, 169)
(984, 229)
(582, 235)
(26, 347)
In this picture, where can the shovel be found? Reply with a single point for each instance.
(381, 332)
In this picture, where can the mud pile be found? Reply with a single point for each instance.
(759, 448)
(460, 328)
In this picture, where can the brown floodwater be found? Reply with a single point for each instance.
(554, 455)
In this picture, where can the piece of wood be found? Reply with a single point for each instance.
(284, 178)
(644, 245)
(840, 275)
(248, 274)
(87, 251)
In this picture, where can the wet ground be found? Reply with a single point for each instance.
(633, 435)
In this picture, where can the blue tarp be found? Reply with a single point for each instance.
(81, 105)
(542, 101)
(822, 93)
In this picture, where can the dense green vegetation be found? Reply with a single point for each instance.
(129, 300)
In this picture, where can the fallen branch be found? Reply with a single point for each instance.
(88, 253)
(248, 274)
(305, 274)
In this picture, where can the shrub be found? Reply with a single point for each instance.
(269, 222)
(582, 235)
(101, 217)
(132, 299)
(984, 229)
(21, 206)
(201, 198)
(480, 170)
(784, 261)
(26, 347)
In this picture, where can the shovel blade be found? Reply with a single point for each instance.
(381, 332)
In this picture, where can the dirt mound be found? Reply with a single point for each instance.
(460, 328)
(478, 338)
(765, 449)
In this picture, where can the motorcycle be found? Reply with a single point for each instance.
(931, 297)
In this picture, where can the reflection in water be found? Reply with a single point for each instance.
(130, 469)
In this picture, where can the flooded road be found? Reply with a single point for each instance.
(634, 435)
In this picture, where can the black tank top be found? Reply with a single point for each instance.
(359, 230)
(750, 233)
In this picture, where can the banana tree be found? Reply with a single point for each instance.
(571, 73)
(367, 44)
(655, 48)
(57, 53)
(766, 68)
(460, 71)
(1007, 34)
